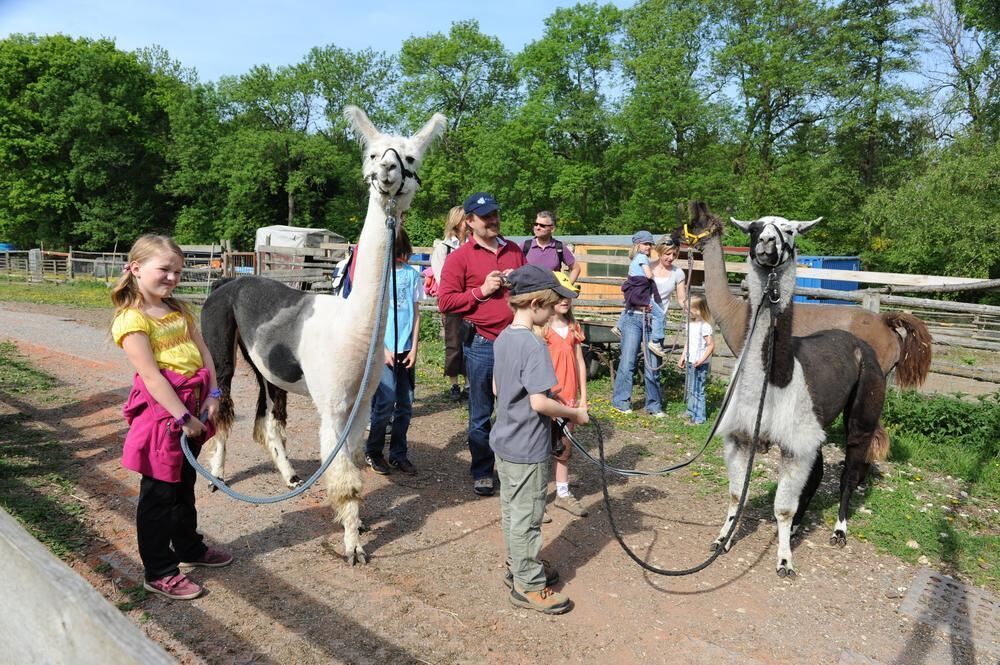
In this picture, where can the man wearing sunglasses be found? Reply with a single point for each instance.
(545, 251)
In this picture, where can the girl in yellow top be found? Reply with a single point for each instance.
(174, 377)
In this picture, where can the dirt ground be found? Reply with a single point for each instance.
(433, 591)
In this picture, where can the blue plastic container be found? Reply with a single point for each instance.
(828, 263)
(7, 247)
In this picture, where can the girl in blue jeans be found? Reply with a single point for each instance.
(697, 354)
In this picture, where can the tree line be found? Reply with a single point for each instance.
(882, 116)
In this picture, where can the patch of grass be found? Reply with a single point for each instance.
(17, 376)
(136, 594)
(88, 294)
(948, 435)
(35, 486)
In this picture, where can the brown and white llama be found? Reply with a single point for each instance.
(811, 381)
(314, 344)
(901, 341)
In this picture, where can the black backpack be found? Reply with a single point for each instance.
(526, 245)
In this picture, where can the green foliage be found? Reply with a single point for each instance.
(951, 208)
(78, 293)
(949, 435)
(612, 118)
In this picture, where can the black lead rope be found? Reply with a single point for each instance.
(770, 295)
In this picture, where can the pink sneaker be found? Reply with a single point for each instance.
(175, 587)
(212, 558)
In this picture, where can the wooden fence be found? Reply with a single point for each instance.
(966, 336)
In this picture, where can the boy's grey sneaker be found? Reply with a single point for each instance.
(483, 486)
(571, 505)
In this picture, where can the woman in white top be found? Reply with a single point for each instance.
(667, 279)
(455, 233)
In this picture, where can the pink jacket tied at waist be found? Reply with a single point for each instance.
(153, 443)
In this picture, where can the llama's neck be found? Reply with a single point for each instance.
(783, 359)
(369, 275)
(729, 311)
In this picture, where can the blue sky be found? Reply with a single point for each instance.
(228, 37)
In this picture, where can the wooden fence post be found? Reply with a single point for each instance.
(871, 302)
(36, 271)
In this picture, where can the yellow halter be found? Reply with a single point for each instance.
(691, 238)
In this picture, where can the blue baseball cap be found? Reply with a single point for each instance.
(640, 237)
(480, 203)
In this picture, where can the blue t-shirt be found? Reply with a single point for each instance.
(635, 268)
(409, 290)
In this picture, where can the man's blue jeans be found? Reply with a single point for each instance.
(697, 377)
(479, 374)
(394, 397)
(633, 324)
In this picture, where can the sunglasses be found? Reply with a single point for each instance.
(544, 226)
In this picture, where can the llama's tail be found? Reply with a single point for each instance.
(878, 449)
(914, 349)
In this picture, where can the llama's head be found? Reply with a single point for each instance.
(772, 239)
(390, 163)
(702, 224)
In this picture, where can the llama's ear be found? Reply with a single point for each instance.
(802, 227)
(360, 123)
(744, 226)
(432, 130)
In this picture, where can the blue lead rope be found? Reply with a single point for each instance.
(373, 347)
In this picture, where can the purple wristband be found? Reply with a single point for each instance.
(215, 392)
(182, 421)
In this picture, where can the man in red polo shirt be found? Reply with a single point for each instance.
(472, 286)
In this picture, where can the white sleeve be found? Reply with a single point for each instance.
(438, 255)
(418, 286)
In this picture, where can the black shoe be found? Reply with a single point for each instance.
(403, 465)
(378, 465)
(483, 486)
(456, 392)
(465, 393)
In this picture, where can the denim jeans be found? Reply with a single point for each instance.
(659, 319)
(696, 379)
(634, 326)
(394, 396)
(479, 374)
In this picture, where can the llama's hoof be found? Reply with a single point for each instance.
(785, 569)
(718, 546)
(838, 539)
(362, 527)
(294, 482)
(357, 556)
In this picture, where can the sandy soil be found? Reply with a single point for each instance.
(433, 590)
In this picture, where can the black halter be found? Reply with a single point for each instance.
(405, 172)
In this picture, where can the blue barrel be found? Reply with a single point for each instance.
(828, 263)
(7, 247)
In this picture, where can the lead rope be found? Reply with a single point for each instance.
(769, 295)
(390, 222)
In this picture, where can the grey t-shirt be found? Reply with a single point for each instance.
(521, 368)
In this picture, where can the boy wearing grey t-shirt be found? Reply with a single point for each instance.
(521, 436)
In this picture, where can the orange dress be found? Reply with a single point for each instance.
(563, 353)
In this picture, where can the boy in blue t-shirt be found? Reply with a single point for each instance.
(521, 437)
(394, 396)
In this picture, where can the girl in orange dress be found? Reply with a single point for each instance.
(564, 336)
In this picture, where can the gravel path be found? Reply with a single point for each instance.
(433, 592)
